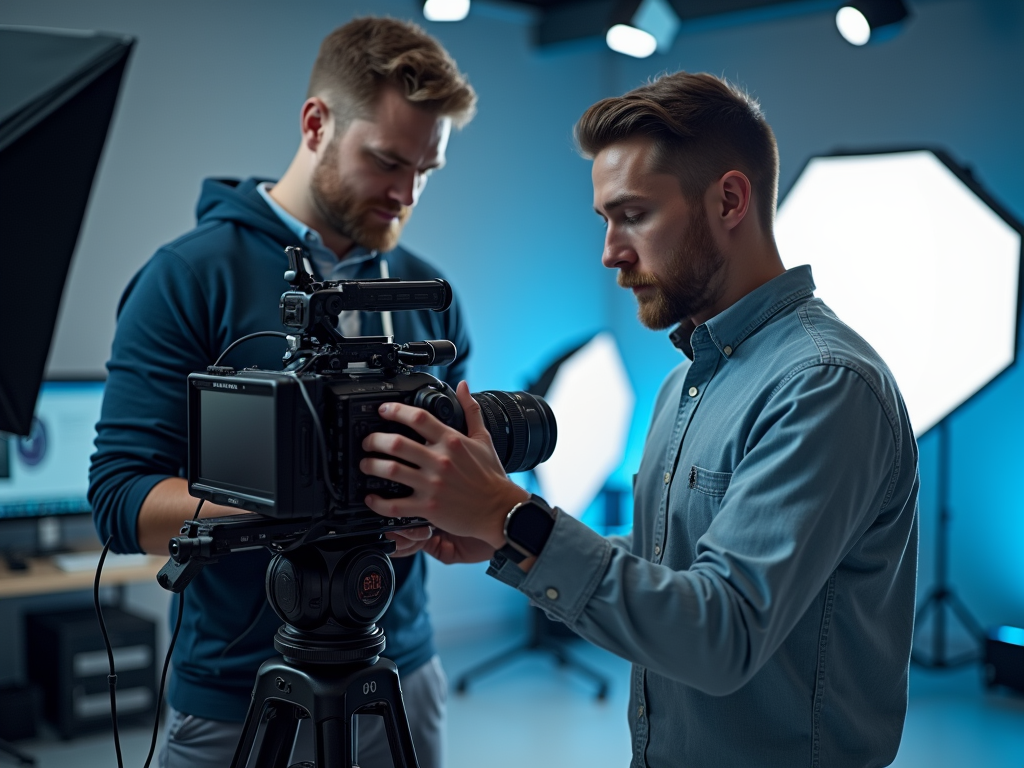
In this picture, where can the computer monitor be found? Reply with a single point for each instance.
(47, 473)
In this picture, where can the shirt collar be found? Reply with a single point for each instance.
(325, 260)
(731, 327)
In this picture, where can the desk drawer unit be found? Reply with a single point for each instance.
(67, 660)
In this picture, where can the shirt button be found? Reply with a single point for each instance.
(309, 237)
(668, 478)
(693, 391)
(657, 549)
(552, 593)
(728, 351)
(640, 711)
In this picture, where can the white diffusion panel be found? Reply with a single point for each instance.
(916, 263)
(592, 400)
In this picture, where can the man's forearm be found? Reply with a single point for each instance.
(166, 507)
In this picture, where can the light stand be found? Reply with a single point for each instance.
(942, 596)
(7, 748)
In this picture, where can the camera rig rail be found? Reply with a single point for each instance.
(204, 541)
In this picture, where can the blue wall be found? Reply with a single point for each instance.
(214, 89)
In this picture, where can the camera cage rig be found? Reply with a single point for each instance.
(311, 309)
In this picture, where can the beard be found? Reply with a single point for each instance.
(340, 206)
(691, 284)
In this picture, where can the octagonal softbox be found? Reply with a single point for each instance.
(590, 394)
(910, 252)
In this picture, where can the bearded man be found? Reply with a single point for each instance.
(382, 99)
(766, 593)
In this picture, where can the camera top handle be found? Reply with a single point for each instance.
(311, 303)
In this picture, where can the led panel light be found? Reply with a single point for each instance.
(911, 258)
(592, 398)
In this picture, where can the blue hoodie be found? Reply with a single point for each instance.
(195, 296)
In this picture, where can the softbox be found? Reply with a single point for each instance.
(57, 95)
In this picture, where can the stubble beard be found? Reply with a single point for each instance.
(691, 285)
(340, 206)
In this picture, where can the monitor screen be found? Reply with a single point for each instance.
(236, 441)
(47, 473)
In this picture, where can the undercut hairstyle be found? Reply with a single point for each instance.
(358, 60)
(702, 127)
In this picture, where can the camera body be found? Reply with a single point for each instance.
(257, 446)
(287, 444)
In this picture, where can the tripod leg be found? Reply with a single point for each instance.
(489, 665)
(278, 738)
(563, 658)
(334, 745)
(969, 622)
(396, 723)
(21, 757)
(249, 730)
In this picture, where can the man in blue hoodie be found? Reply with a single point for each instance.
(382, 99)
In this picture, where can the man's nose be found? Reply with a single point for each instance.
(617, 254)
(404, 190)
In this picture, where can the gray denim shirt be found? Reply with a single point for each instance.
(766, 593)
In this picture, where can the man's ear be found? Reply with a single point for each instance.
(315, 120)
(732, 203)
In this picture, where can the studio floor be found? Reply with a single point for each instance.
(534, 713)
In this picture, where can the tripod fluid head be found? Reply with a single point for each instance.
(331, 594)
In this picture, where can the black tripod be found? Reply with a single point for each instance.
(942, 596)
(330, 595)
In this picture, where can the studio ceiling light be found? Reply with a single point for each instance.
(623, 38)
(864, 20)
(445, 10)
(642, 27)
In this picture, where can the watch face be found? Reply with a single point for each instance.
(529, 527)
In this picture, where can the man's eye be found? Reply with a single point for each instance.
(634, 219)
(386, 165)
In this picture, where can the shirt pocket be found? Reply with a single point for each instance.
(695, 510)
(708, 482)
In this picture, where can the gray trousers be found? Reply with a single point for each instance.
(195, 742)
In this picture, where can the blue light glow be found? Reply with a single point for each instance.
(1010, 635)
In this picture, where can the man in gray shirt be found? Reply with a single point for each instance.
(765, 596)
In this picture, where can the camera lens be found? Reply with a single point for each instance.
(521, 425)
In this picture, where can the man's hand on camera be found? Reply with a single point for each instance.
(458, 482)
(409, 541)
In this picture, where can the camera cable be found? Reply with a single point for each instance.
(112, 677)
(318, 428)
(256, 335)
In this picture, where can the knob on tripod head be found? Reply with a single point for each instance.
(331, 594)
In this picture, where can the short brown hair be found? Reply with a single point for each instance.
(357, 60)
(702, 127)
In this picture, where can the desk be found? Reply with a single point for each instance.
(43, 577)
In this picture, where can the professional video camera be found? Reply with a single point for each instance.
(287, 445)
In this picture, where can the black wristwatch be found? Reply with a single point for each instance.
(527, 528)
